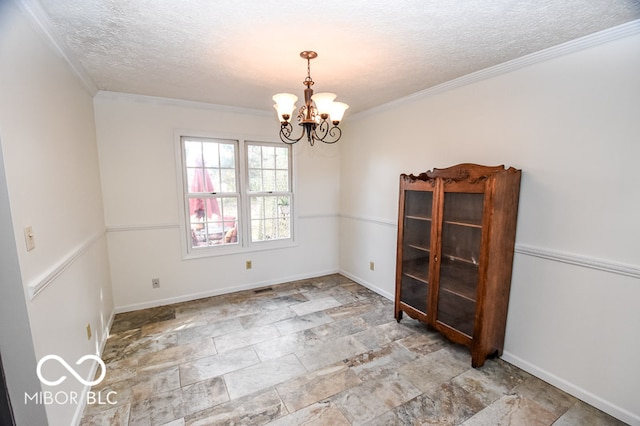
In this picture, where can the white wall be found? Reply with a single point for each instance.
(571, 124)
(136, 142)
(16, 344)
(51, 162)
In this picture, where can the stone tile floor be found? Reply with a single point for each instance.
(322, 351)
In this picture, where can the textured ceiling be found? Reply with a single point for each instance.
(241, 52)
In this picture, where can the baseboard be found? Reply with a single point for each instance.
(572, 389)
(105, 332)
(220, 291)
(368, 285)
(82, 403)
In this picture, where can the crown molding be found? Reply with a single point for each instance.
(591, 40)
(132, 97)
(34, 11)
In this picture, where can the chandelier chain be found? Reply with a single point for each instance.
(308, 81)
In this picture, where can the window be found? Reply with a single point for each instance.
(212, 191)
(269, 191)
(236, 193)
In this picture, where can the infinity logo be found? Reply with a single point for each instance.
(71, 370)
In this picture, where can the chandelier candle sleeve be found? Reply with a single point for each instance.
(319, 117)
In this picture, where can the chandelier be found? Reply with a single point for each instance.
(319, 116)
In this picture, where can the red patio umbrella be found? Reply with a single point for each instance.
(198, 206)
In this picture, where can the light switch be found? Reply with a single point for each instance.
(28, 238)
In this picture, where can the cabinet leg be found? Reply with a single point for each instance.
(399, 316)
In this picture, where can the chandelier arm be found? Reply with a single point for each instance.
(335, 130)
(285, 132)
(324, 133)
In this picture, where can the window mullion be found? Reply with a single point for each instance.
(244, 202)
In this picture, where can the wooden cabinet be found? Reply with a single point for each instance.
(456, 235)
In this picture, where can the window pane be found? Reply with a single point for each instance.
(213, 183)
(257, 207)
(283, 205)
(230, 209)
(228, 183)
(191, 178)
(282, 158)
(282, 180)
(255, 180)
(193, 153)
(254, 156)
(227, 156)
(229, 220)
(268, 180)
(268, 157)
(210, 154)
(283, 228)
(269, 229)
(257, 231)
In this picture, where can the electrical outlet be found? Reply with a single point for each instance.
(88, 331)
(247, 264)
(155, 282)
(372, 265)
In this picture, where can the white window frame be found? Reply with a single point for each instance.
(242, 171)
(250, 194)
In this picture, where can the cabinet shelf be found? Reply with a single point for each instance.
(459, 223)
(421, 248)
(417, 269)
(460, 259)
(446, 218)
(460, 280)
(416, 277)
(413, 217)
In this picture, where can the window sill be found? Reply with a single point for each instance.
(232, 250)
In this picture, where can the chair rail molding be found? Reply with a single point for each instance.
(575, 259)
(36, 286)
(580, 260)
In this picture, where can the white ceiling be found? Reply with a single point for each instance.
(241, 52)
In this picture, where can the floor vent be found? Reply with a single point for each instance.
(262, 290)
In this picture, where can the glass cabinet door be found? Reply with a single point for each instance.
(459, 257)
(414, 286)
